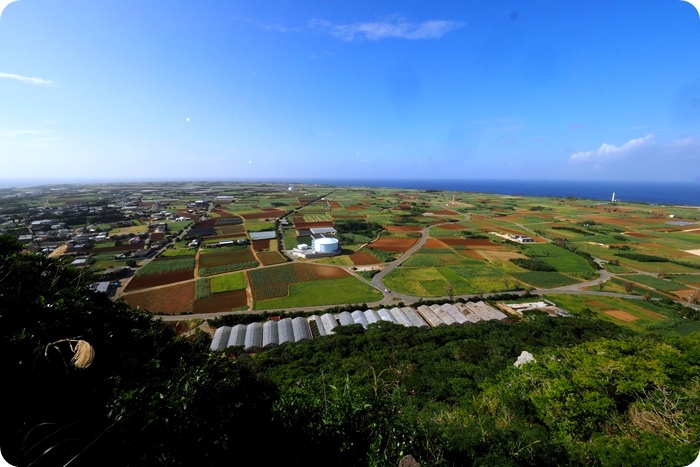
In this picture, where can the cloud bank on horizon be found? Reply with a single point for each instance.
(266, 90)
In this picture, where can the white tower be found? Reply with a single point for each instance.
(613, 198)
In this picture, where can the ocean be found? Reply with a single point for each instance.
(668, 193)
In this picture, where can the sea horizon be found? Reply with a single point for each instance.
(685, 193)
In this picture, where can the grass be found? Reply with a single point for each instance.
(344, 290)
(653, 282)
(562, 259)
(544, 280)
(226, 282)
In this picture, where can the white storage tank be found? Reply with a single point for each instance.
(325, 245)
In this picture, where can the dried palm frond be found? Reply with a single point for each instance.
(83, 352)
(83, 355)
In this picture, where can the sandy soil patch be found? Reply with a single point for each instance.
(493, 255)
(693, 252)
(621, 315)
(685, 293)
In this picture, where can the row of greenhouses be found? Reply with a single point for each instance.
(258, 336)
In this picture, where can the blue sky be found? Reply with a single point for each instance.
(227, 90)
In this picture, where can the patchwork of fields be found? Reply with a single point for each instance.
(466, 250)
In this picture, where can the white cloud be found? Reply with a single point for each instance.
(640, 159)
(610, 151)
(3, 5)
(397, 28)
(26, 79)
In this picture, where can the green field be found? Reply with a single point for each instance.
(226, 282)
(653, 282)
(159, 266)
(324, 292)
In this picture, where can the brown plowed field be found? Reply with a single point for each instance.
(231, 229)
(403, 228)
(271, 257)
(222, 213)
(172, 300)
(155, 280)
(269, 214)
(472, 254)
(392, 244)
(157, 236)
(453, 227)
(335, 205)
(435, 243)
(312, 272)
(355, 207)
(362, 258)
(261, 244)
(221, 301)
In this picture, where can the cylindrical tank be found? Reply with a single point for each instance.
(325, 245)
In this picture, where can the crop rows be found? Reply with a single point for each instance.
(163, 265)
(272, 282)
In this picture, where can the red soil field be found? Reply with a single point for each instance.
(171, 300)
(403, 228)
(155, 280)
(271, 257)
(435, 243)
(207, 223)
(470, 254)
(222, 301)
(395, 245)
(355, 207)
(335, 205)
(312, 272)
(268, 214)
(157, 236)
(261, 244)
(222, 212)
(453, 227)
(362, 258)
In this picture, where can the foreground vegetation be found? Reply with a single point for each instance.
(597, 394)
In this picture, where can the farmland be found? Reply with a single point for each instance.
(465, 248)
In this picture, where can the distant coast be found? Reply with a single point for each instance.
(673, 193)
